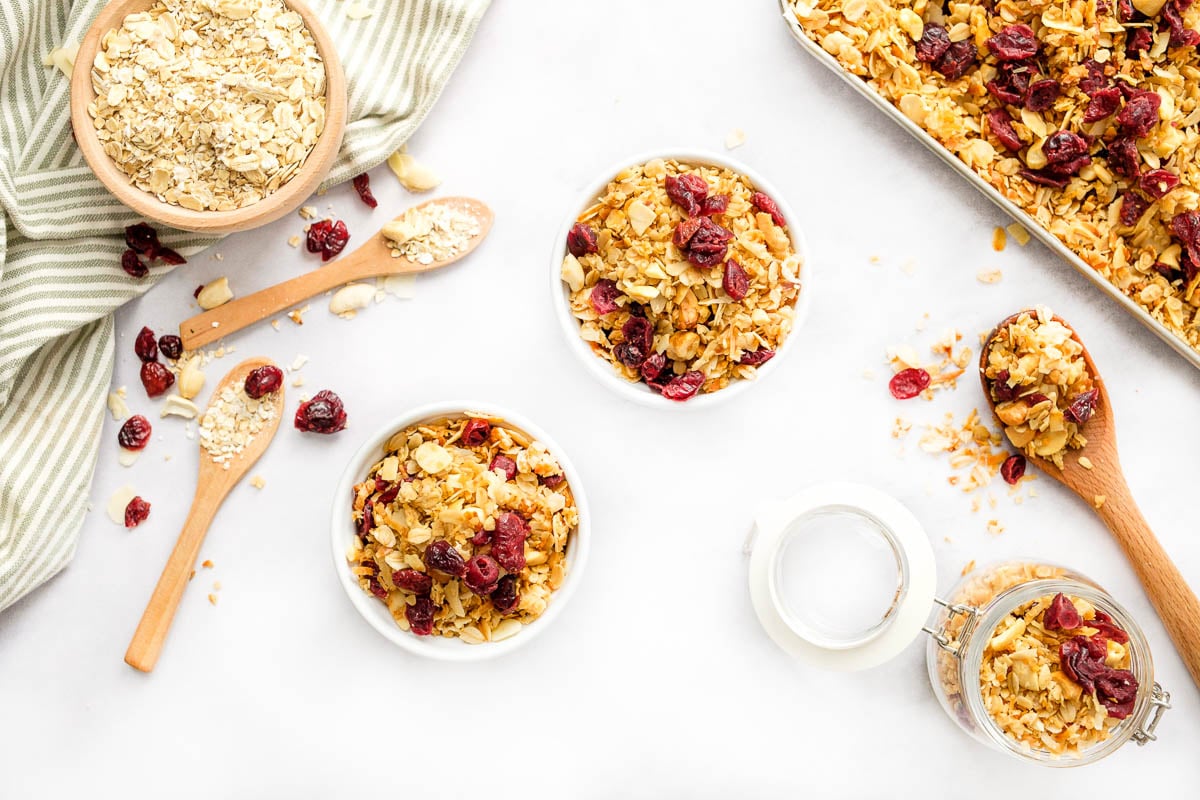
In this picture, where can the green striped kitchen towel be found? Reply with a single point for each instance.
(60, 274)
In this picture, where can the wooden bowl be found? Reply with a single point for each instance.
(283, 201)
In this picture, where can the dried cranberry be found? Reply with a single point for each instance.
(714, 204)
(410, 580)
(142, 239)
(362, 185)
(389, 492)
(765, 204)
(957, 60)
(1140, 114)
(145, 345)
(735, 282)
(683, 387)
(684, 231)
(1082, 660)
(263, 380)
(1103, 104)
(754, 358)
(1013, 469)
(1011, 82)
(1042, 94)
(327, 238)
(1166, 270)
(1158, 183)
(169, 256)
(323, 414)
(1117, 690)
(687, 191)
(552, 481)
(377, 588)
(1186, 228)
(1061, 615)
(156, 378)
(933, 44)
(1033, 399)
(581, 240)
(135, 433)
(1137, 40)
(1044, 178)
(476, 432)
(639, 332)
(420, 616)
(1013, 43)
(481, 537)
(502, 463)
(1133, 206)
(1181, 35)
(1095, 79)
(653, 367)
(1107, 629)
(604, 297)
(133, 265)
(1125, 12)
(368, 519)
(483, 573)
(1083, 405)
(506, 598)
(908, 383)
(1124, 158)
(508, 541)
(1063, 147)
(708, 245)
(442, 556)
(136, 512)
(1000, 388)
(171, 346)
(1002, 128)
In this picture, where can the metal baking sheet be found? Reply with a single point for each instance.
(1037, 231)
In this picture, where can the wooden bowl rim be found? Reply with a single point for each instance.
(279, 203)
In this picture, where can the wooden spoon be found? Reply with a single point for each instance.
(371, 260)
(213, 485)
(1103, 487)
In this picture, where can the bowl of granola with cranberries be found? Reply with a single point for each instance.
(459, 531)
(679, 280)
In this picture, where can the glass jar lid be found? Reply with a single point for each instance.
(842, 575)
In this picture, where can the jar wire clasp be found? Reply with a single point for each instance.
(939, 635)
(1160, 701)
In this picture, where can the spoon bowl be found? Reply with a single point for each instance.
(214, 484)
(1104, 488)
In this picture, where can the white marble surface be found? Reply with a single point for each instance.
(657, 681)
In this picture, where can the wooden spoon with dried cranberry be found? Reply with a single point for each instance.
(261, 380)
(1104, 488)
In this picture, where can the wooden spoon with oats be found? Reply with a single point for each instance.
(234, 432)
(371, 260)
(1094, 473)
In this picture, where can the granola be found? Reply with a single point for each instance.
(1083, 113)
(1040, 382)
(683, 277)
(463, 528)
(209, 104)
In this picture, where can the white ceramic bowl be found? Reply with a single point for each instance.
(603, 370)
(342, 531)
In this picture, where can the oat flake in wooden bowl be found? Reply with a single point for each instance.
(208, 115)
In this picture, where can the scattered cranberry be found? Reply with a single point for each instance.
(442, 556)
(1166, 270)
(506, 598)
(684, 231)
(707, 245)
(1140, 114)
(142, 239)
(687, 191)
(1137, 40)
(1082, 406)
(1013, 469)
(1103, 104)
(1082, 660)
(908, 383)
(327, 237)
(508, 541)
(604, 297)
(1181, 35)
(263, 380)
(654, 367)
(169, 256)
(755, 358)
(368, 519)
(389, 492)
(1062, 147)
(1106, 628)
(135, 433)
(1044, 177)
(502, 463)
(1042, 94)
(958, 59)
(1186, 228)
(420, 616)
(637, 342)
(1013, 43)
(133, 265)
(683, 387)
(171, 346)
(482, 537)
(1124, 158)
(410, 580)
(377, 588)
(552, 481)
(765, 204)
(483, 573)
(1061, 615)
(156, 378)
(362, 185)
(1001, 390)
(714, 204)
(476, 432)
(1133, 206)
(1125, 11)
(735, 282)
(145, 345)
(136, 512)
(1095, 79)
(933, 44)
(1158, 183)
(323, 414)
(1002, 128)
(581, 240)
(1011, 82)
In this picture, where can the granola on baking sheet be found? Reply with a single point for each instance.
(463, 528)
(683, 277)
(1084, 113)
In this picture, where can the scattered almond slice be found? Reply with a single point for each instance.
(1085, 462)
(191, 378)
(117, 503)
(968, 567)
(63, 58)
(258, 482)
(298, 381)
(413, 176)
(275, 324)
(126, 458)
(298, 363)
(735, 139)
(352, 297)
(989, 275)
(179, 407)
(118, 407)
(357, 11)
(401, 286)
(212, 599)
(999, 239)
(1018, 233)
(307, 212)
(215, 293)
(294, 241)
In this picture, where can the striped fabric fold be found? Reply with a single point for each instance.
(62, 238)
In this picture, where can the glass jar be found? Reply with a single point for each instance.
(978, 605)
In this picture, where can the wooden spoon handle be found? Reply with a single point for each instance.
(1173, 599)
(156, 621)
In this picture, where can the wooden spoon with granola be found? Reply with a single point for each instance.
(239, 423)
(434, 234)
(1048, 396)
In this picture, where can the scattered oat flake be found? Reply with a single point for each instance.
(875, 260)
(735, 139)
(258, 482)
(307, 212)
(1085, 462)
(432, 232)
(900, 428)
(294, 241)
(402, 286)
(358, 11)
(275, 324)
(212, 598)
(1099, 501)
(298, 381)
(999, 239)
(1018, 233)
(117, 407)
(968, 567)
(994, 527)
(216, 586)
(232, 422)
(207, 563)
(296, 315)
(989, 275)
